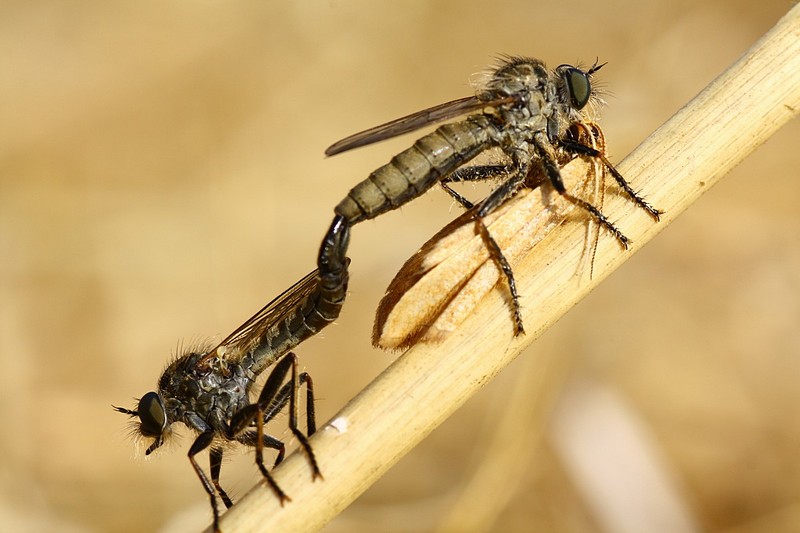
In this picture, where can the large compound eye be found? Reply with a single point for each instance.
(152, 414)
(578, 85)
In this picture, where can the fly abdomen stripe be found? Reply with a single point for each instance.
(319, 307)
(415, 170)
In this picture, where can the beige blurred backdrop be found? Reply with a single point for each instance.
(162, 177)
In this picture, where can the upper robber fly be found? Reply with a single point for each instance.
(524, 110)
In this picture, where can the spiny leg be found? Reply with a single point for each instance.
(497, 254)
(579, 148)
(254, 412)
(271, 401)
(202, 442)
(294, 414)
(507, 189)
(466, 204)
(249, 438)
(472, 173)
(282, 496)
(598, 215)
(311, 412)
(479, 173)
(280, 400)
(284, 396)
(215, 460)
(625, 186)
(554, 174)
(496, 198)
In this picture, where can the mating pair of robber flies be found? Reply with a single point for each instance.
(524, 111)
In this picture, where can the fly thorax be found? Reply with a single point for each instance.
(175, 409)
(513, 139)
(538, 106)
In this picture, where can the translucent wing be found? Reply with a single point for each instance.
(251, 332)
(412, 122)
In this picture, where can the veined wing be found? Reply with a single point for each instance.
(250, 333)
(412, 122)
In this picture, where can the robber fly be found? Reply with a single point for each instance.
(209, 391)
(524, 110)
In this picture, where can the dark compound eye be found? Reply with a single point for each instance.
(152, 414)
(578, 85)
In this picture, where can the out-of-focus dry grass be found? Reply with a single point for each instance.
(162, 177)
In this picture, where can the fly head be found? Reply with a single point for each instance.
(575, 86)
(152, 419)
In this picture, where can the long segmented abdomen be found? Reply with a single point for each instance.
(318, 308)
(415, 170)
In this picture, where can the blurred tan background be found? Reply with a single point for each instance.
(162, 177)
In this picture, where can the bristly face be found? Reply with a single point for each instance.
(152, 417)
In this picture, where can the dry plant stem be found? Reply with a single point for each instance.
(672, 168)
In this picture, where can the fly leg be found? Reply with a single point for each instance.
(254, 412)
(215, 458)
(554, 175)
(249, 438)
(473, 173)
(294, 385)
(311, 413)
(481, 173)
(505, 191)
(276, 406)
(202, 442)
(502, 262)
(272, 399)
(579, 148)
(284, 396)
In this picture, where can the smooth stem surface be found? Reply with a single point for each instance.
(672, 168)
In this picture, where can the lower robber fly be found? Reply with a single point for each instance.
(209, 391)
(524, 110)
